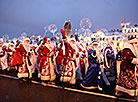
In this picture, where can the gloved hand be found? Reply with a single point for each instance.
(63, 33)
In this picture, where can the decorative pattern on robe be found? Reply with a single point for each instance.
(110, 64)
(93, 77)
(10, 56)
(48, 73)
(127, 81)
(69, 71)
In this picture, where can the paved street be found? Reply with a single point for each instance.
(12, 90)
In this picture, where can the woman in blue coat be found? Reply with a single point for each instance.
(93, 77)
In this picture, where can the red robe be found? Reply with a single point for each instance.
(127, 81)
(59, 57)
(39, 61)
(68, 72)
(47, 65)
(83, 61)
(21, 59)
(10, 56)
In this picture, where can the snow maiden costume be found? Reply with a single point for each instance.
(93, 79)
(110, 55)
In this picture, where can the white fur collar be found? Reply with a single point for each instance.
(27, 49)
(127, 45)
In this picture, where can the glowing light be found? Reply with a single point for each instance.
(52, 28)
(85, 23)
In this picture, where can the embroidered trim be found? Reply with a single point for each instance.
(106, 58)
(91, 87)
(93, 55)
(130, 92)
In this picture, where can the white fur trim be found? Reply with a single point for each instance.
(72, 39)
(134, 61)
(26, 39)
(130, 47)
(129, 91)
(26, 49)
(45, 78)
(65, 79)
(72, 79)
(133, 40)
(3, 62)
(22, 75)
(92, 87)
(52, 73)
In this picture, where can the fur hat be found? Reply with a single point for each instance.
(94, 42)
(26, 39)
(132, 40)
(73, 39)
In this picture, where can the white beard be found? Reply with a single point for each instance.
(26, 47)
(12, 48)
(74, 47)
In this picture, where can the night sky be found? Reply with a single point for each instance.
(30, 16)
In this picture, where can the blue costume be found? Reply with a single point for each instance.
(110, 64)
(93, 77)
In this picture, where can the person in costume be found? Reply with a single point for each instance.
(40, 55)
(3, 58)
(68, 73)
(127, 81)
(74, 45)
(110, 55)
(59, 61)
(83, 59)
(47, 64)
(33, 54)
(21, 59)
(93, 77)
(10, 52)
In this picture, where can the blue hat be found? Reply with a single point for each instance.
(94, 42)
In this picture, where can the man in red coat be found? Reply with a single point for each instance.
(40, 55)
(59, 60)
(68, 72)
(10, 52)
(46, 62)
(24, 64)
(127, 81)
(3, 57)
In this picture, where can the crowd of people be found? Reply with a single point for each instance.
(74, 62)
